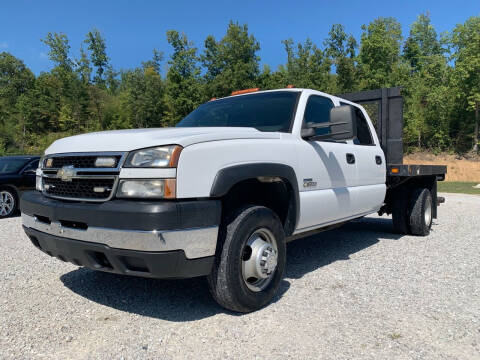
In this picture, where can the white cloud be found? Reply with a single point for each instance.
(3, 45)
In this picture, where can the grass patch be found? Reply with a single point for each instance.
(458, 187)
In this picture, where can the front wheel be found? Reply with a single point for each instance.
(8, 203)
(250, 260)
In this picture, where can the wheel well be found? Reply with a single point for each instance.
(13, 189)
(408, 184)
(272, 192)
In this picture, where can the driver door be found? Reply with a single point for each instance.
(328, 170)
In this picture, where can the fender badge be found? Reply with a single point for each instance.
(309, 183)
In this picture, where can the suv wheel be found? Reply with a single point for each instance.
(8, 203)
(250, 260)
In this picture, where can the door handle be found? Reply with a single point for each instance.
(378, 160)
(350, 158)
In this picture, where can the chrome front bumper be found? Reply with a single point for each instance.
(195, 242)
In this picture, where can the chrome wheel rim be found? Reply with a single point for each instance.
(7, 203)
(259, 259)
(428, 213)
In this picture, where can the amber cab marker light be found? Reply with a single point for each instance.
(394, 170)
(290, 86)
(213, 99)
(246, 91)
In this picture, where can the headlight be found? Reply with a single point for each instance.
(41, 163)
(38, 183)
(148, 188)
(163, 156)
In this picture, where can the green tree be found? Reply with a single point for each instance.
(428, 99)
(465, 40)
(269, 79)
(183, 83)
(231, 63)
(340, 47)
(83, 67)
(142, 98)
(98, 53)
(308, 66)
(16, 80)
(59, 49)
(379, 58)
(154, 62)
(422, 43)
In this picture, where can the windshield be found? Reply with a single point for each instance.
(11, 166)
(271, 111)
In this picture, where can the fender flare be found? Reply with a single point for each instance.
(227, 177)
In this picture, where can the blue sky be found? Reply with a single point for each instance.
(133, 28)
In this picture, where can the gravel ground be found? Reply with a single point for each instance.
(359, 292)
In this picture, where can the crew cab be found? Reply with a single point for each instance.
(222, 193)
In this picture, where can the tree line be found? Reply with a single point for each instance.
(440, 76)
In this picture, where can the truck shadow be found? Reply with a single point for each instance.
(189, 299)
(313, 252)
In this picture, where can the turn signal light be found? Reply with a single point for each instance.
(246, 91)
(394, 170)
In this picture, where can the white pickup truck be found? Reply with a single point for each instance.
(222, 193)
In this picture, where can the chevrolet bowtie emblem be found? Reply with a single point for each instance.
(66, 173)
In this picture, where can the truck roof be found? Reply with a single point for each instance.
(290, 90)
(20, 157)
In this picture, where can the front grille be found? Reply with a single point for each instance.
(79, 162)
(79, 188)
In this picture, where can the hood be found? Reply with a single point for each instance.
(128, 140)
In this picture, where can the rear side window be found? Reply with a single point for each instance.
(32, 166)
(318, 111)
(364, 137)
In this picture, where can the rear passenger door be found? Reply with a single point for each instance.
(370, 165)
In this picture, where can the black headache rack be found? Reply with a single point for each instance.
(385, 108)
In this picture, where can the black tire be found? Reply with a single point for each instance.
(400, 211)
(7, 192)
(420, 212)
(226, 281)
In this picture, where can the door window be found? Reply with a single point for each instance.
(32, 166)
(318, 111)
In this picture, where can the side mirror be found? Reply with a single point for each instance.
(308, 132)
(343, 122)
(30, 172)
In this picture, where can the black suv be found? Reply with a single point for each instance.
(17, 173)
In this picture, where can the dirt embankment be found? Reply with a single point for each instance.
(459, 168)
